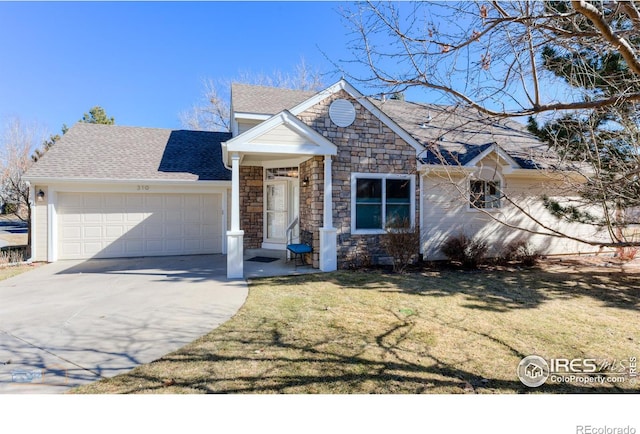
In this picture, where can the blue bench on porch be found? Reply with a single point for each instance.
(298, 250)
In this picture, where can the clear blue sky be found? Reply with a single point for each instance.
(144, 62)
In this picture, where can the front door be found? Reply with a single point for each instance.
(277, 215)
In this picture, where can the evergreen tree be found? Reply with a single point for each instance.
(602, 144)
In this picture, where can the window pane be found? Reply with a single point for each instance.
(396, 214)
(476, 189)
(368, 216)
(492, 198)
(276, 195)
(398, 191)
(369, 190)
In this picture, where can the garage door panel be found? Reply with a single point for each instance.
(153, 231)
(94, 201)
(113, 201)
(115, 232)
(193, 244)
(209, 202)
(89, 232)
(154, 202)
(210, 231)
(194, 216)
(173, 216)
(114, 217)
(121, 225)
(173, 245)
(173, 231)
(74, 218)
(134, 202)
(134, 217)
(91, 247)
(134, 231)
(192, 231)
(174, 201)
(71, 248)
(113, 250)
(71, 232)
(91, 217)
(134, 246)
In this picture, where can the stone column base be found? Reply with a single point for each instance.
(328, 249)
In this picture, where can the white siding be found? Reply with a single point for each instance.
(281, 135)
(247, 124)
(446, 212)
(40, 239)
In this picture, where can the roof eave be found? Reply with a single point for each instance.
(33, 180)
(501, 153)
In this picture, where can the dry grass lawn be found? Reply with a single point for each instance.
(8, 271)
(442, 331)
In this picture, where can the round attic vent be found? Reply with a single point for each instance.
(342, 112)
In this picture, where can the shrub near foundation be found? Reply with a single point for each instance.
(402, 242)
(520, 251)
(465, 251)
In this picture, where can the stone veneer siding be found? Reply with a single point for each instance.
(366, 146)
(311, 202)
(251, 205)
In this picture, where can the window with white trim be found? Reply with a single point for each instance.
(484, 194)
(380, 200)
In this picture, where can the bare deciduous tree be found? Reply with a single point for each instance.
(212, 112)
(486, 54)
(19, 139)
(572, 64)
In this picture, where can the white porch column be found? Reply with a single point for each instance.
(235, 237)
(328, 234)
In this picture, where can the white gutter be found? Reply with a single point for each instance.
(44, 180)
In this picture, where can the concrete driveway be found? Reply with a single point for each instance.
(74, 322)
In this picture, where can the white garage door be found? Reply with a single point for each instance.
(111, 225)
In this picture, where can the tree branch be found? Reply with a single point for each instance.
(619, 43)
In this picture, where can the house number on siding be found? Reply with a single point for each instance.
(143, 188)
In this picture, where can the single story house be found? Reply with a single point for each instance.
(332, 168)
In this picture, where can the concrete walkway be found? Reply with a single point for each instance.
(73, 322)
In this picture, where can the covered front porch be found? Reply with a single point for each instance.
(281, 193)
(269, 262)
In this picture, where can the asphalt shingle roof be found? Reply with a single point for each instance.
(453, 135)
(266, 100)
(456, 135)
(92, 151)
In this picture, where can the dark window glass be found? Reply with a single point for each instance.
(398, 201)
(369, 203)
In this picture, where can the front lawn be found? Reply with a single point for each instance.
(434, 332)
